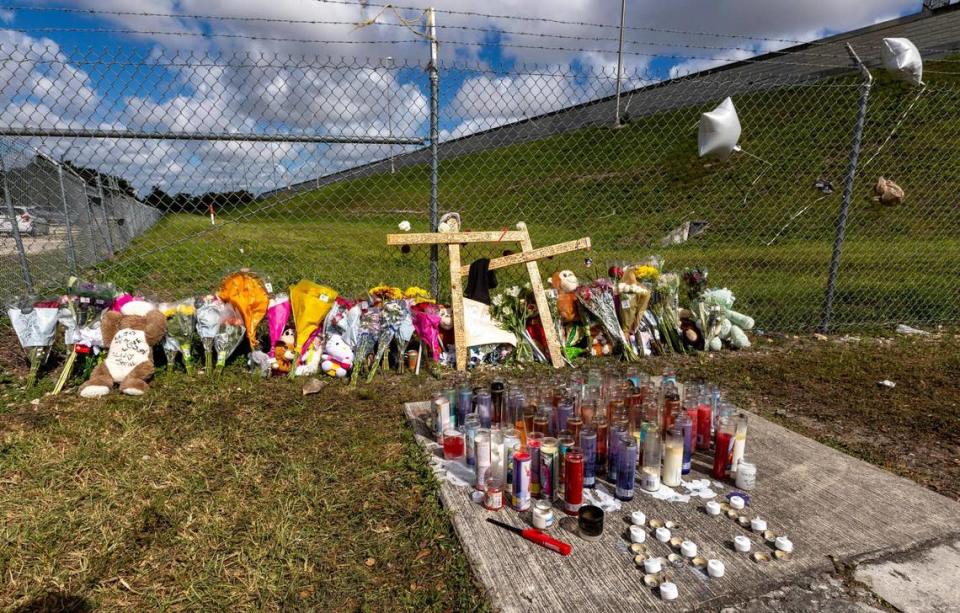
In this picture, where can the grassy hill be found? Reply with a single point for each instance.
(628, 188)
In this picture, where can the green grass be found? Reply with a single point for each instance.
(236, 494)
(626, 189)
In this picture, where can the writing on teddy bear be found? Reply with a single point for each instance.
(128, 350)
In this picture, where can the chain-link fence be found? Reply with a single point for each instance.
(164, 172)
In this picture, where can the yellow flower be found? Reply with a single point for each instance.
(418, 294)
(186, 309)
(386, 292)
(646, 273)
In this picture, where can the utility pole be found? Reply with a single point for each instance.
(623, 14)
(434, 150)
(390, 114)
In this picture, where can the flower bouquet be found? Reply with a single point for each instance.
(80, 311)
(510, 309)
(695, 283)
(666, 309)
(278, 314)
(208, 325)
(381, 293)
(247, 292)
(367, 333)
(36, 327)
(309, 303)
(426, 323)
(597, 299)
(182, 327)
(417, 295)
(396, 325)
(229, 336)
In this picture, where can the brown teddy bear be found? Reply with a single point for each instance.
(130, 336)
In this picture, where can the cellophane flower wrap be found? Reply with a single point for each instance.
(309, 302)
(208, 325)
(230, 335)
(426, 322)
(666, 309)
(247, 292)
(36, 328)
(278, 315)
(597, 299)
(510, 308)
(695, 283)
(368, 332)
(395, 321)
(181, 330)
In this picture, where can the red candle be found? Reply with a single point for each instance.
(704, 422)
(573, 481)
(724, 447)
(453, 446)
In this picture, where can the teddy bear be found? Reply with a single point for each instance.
(634, 300)
(337, 358)
(283, 353)
(566, 283)
(129, 336)
(718, 321)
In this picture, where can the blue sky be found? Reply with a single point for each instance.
(127, 81)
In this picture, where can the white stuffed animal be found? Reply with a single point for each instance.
(337, 359)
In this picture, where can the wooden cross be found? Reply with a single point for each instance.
(527, 255)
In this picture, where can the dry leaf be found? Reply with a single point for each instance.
(421, 555)
(370, 562)
(313, 385)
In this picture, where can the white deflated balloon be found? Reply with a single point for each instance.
(719, 131)
(902, 58)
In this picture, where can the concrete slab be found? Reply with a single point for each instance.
(832, 506)
(925, 581)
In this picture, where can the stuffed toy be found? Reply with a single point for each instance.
(600, 345)
(284, 353)
(445, 328)
(129, 335)
(634, 300)
(337, 358)
(887, 192)
(565, 282)
(723, 324)
(310, 360)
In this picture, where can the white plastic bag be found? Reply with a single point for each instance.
(901, 57)
(719, 131)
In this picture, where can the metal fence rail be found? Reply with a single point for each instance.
(298, 166)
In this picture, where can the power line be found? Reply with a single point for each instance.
(208, 35)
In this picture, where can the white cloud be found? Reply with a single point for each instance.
(270, 86)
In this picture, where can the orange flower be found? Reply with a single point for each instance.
(245, 291)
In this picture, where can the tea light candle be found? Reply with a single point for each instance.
(713, 508)
(637, 534)
(638, 518)
(652, 566)
(668, 591)
(688, 549)
(715, 568)
(737, 502)
(784, 544)
(758, 524)
(741, 543)
(663, 535)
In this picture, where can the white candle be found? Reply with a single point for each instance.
(672, 463)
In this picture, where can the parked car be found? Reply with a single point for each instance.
(28, 223)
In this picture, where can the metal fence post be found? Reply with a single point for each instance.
(15, 229)
(434, 151)
(71, 251)
(623, 14)
(847, 190)
(106, 220)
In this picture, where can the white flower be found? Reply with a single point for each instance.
(513, 292)
(498, 300)
(404, 226)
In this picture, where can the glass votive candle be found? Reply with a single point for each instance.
(453, 446)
